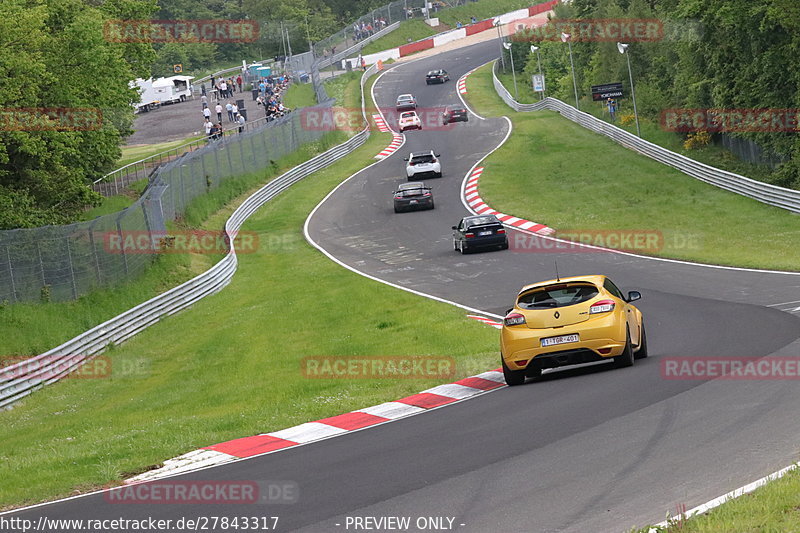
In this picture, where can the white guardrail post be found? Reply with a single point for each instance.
(23, 378)
(781, 197)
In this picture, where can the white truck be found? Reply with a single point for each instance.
(170, 90)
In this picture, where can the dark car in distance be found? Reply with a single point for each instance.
(436, 76)
(481, 231)
(412, 196)
(455, 113)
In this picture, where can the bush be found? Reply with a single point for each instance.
(697, 140)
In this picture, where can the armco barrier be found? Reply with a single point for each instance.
(407, 49)
(541, 8)
(21, 379)
(788, 199)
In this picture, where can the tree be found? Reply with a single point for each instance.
(66, 103)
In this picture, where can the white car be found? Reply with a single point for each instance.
(423, 164)
(409, 120)
(406, 102)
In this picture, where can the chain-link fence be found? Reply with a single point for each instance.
(749, 151)
(59, 263)
(377, 19)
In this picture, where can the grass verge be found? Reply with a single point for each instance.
(773, 508)
(171, 389)
(31, 328)
(712, 154)
(299, 95)
(579, 184)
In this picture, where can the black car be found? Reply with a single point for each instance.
(455, 113)
(411, 196)
(481, 231)
(436, 76)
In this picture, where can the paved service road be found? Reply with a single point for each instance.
(587, 449)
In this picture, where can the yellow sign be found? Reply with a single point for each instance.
(177, 69)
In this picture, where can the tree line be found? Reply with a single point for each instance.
(740, 56)
(66, 102)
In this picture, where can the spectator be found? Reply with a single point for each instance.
(223, 89)
(207, 125)
(218, 109)
(473, 20)
(203, 89)
(459, 25)
(220, 131)
(234, 110)
(239, 82)
(612, 108)
(229, 107)
(240, 120)
(207, 112)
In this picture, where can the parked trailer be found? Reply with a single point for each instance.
(149, 98)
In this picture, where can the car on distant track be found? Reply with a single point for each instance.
(406, 102)
(481, 231)
(411, 196)
(570, 321)
(455, 113)
(423, 164)
(436, 76)
(409, 120)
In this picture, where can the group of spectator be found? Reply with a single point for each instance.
(223, 87)
(366, 29)
(270, 90)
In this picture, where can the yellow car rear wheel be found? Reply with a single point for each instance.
(641, 353)
(626, 358)
(513, 377)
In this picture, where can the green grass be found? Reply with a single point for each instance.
(415, 29)
(557, 173)
(773, 508)
(133, 153)
(714, 155)
(171, 386)
(299, 95)
(408, 31)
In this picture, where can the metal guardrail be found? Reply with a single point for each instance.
(21, 379)
(781, 197)
(327, 61)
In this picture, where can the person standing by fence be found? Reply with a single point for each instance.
(218, 110)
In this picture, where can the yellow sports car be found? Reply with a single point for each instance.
(567, 322)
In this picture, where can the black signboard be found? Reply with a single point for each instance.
(608, 90)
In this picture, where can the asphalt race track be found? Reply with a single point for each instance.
(585, 449)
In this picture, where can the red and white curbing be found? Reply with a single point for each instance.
(397, 139)
(487, 321)
(245, 447)
(479, 207)
(397, 142)
(380, 123)
(462, 83)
